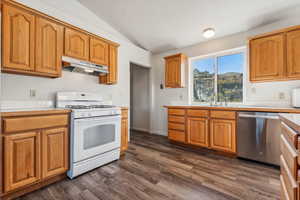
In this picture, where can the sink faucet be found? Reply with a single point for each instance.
(226, 103)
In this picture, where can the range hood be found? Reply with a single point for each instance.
(85, 66)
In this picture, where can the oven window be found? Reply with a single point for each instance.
(98, 135)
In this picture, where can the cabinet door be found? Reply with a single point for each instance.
(21, 160)
(223, 135)
(267, 58)
(198, 131)
(293, 54)
(76, 44)
(54, 151)
(112, 76)
(172, 73)
(99, 51)
(124, 135)
(49, 47)
(18, 39)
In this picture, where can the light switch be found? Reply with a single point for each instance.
(281, 95)
(32, 93)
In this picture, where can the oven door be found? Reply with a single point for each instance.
(94, 136)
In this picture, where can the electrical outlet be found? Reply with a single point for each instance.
(181, 97)
(32, 93)
(281, 95)
(253, 90)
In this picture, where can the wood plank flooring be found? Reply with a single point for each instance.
(154, 169)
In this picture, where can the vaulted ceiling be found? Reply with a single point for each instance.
(160, 25)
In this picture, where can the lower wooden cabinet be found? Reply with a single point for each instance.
(22, 165)
(213, 129)
(124, 135)
(33, 156)
(54, 151)
(223, 135)
(124, 130)
(197, 129)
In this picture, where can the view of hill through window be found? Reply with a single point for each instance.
(219, 76)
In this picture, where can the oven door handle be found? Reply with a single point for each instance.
(103, 118)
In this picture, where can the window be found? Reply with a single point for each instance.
(219, 76)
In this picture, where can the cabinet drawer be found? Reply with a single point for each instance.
(176, 112)
(31, 123)
(222, 114)
(288, 180)
(283, 191)
(178, 136)
(290, 135)
(290, 155)
(176, 119)
(174, 126)
(197, 113)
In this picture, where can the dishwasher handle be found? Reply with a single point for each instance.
(258, 116)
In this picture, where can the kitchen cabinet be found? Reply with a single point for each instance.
(49, 47)
(267, 58)
(289, 158)
(175, 71)
(34, 43)
(203, 127)
(18, 44)
(112, 76)
(54, 151)
(124, 130)
(36, 150)
(99, 51)
(198, 131)
(76, 44)
(21, 159)
(176, 125)
(223, 135)
(293, 54)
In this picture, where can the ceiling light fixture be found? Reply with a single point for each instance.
(208, 33)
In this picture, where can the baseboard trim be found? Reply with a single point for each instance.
(140, 129)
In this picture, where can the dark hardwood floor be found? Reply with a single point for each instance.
(155, 169)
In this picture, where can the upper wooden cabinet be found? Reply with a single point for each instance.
(49, 46)
(18, 39)
(175, 71)
(275, 56)
(112, 76)
(293, 54)
(21, 159)
(33, 44)
(99, 50)
(198, 131)
(76, 44)
(267, 61)
(223, 135)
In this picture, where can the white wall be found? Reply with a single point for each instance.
(140, 98)
(16, 87)
(258, 93)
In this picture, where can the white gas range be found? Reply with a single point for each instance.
(95, 131)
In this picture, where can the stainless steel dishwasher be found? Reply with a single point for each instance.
(258, 137)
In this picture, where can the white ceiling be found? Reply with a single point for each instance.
(160, 25)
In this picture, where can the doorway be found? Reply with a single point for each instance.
(139, 98)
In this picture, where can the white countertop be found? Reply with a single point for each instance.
(30, 109)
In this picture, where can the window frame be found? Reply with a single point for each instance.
(242, 49)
